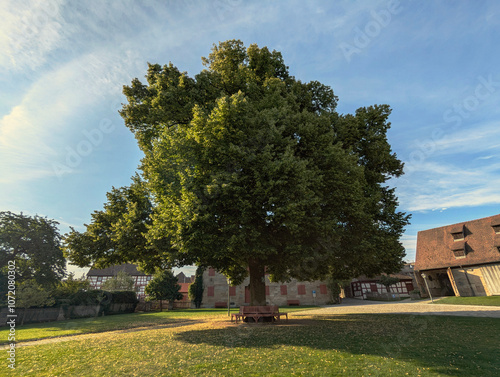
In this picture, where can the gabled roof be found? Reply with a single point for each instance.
(130, 269)
(435, 247)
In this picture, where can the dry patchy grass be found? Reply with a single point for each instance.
(352, 345)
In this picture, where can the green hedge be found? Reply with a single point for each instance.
(91, 297)
(123, 297)
(98, 296)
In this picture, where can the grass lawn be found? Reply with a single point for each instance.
(116, 322)
(209, 345)
(483, 300)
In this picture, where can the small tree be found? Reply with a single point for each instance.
(31, 294)
(164, 286)
(196, 289)
(121, 282)
(67, 288)
(387, 281)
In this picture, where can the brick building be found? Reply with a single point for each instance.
(460, 259)
(282, 294)
(97, 277)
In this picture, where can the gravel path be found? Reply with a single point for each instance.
(354, 306)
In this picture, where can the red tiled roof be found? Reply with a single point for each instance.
(435, 246)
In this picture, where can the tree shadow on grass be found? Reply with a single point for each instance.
(448, 345)
(91, 325)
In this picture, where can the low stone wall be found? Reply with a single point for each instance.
(147, 306)
(63, 312)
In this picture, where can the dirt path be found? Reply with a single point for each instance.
(353, 306)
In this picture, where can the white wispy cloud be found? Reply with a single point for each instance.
(450, 185)
(35, 131)
(30, 31)
(476, 138)
(410, 244)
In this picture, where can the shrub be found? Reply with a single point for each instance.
(195, 292)
(31, 294)
(124, 297)
(387, 281)
(90, 297)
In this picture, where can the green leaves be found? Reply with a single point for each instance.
(244, 163)
(117, 233)
(163, 286)
(34, 243)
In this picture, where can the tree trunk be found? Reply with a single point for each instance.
(257, 283)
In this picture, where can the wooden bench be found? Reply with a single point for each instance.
(293, 302)
(221, 304)
(257, 312)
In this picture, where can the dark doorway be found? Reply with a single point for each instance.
(445, 283)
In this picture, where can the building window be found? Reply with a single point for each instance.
(232, 291)
(211, 272)
(210, 291)
(267, 290)
(284, 290)
(301, 289)
(458, 233)
(495, 224)
(322, 289)
(460, 250)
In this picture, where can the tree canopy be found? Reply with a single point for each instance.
(34, 243)
(163, 286)
(246, 168)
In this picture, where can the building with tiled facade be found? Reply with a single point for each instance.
(461, 259)
(217, 289)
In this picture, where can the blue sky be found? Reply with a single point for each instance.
(64, 63)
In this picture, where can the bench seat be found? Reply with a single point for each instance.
(257, 312)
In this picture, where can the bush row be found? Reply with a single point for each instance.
(98, 296)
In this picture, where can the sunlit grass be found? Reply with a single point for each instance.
(483, 300)
(350, 345)
(115, 322)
